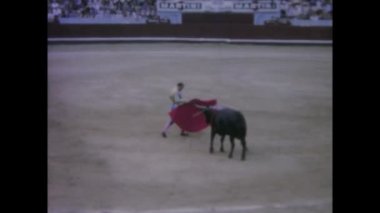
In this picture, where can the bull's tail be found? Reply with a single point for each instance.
(242, 125)
(243, 130)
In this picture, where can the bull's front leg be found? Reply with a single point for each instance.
(221, 143)
(212, 141)
(232, 147)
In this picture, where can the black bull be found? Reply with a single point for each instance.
(224, 122)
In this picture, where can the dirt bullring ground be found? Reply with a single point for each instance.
(109, 102)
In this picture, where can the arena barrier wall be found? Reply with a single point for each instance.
(216, 30)
(195, 25)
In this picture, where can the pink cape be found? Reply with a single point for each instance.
(190, 118)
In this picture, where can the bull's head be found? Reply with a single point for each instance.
(207, 111)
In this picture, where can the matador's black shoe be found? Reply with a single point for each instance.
(184, 134)
(163, 134)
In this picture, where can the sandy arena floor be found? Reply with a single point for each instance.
(109, 102)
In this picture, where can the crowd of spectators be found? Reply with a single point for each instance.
(306, 9)
(144, 9)
(101, 8)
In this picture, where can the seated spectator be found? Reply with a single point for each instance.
(86, 12)
(326, 12)
(318, 4)
(284, 5)
(96, 7)
(327, 8)
(305, 11)
(316, 15)
(294, 11)
(56, 9)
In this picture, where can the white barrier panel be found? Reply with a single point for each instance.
(311, 23)
(200, 6)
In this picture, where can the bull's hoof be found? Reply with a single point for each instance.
(221, 150)
(229, 156)
(211, 151)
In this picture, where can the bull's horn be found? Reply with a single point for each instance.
(200, 107)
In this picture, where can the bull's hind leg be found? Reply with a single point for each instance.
(232, 147)
(212, 141)
(221, 143)
(244, 145)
